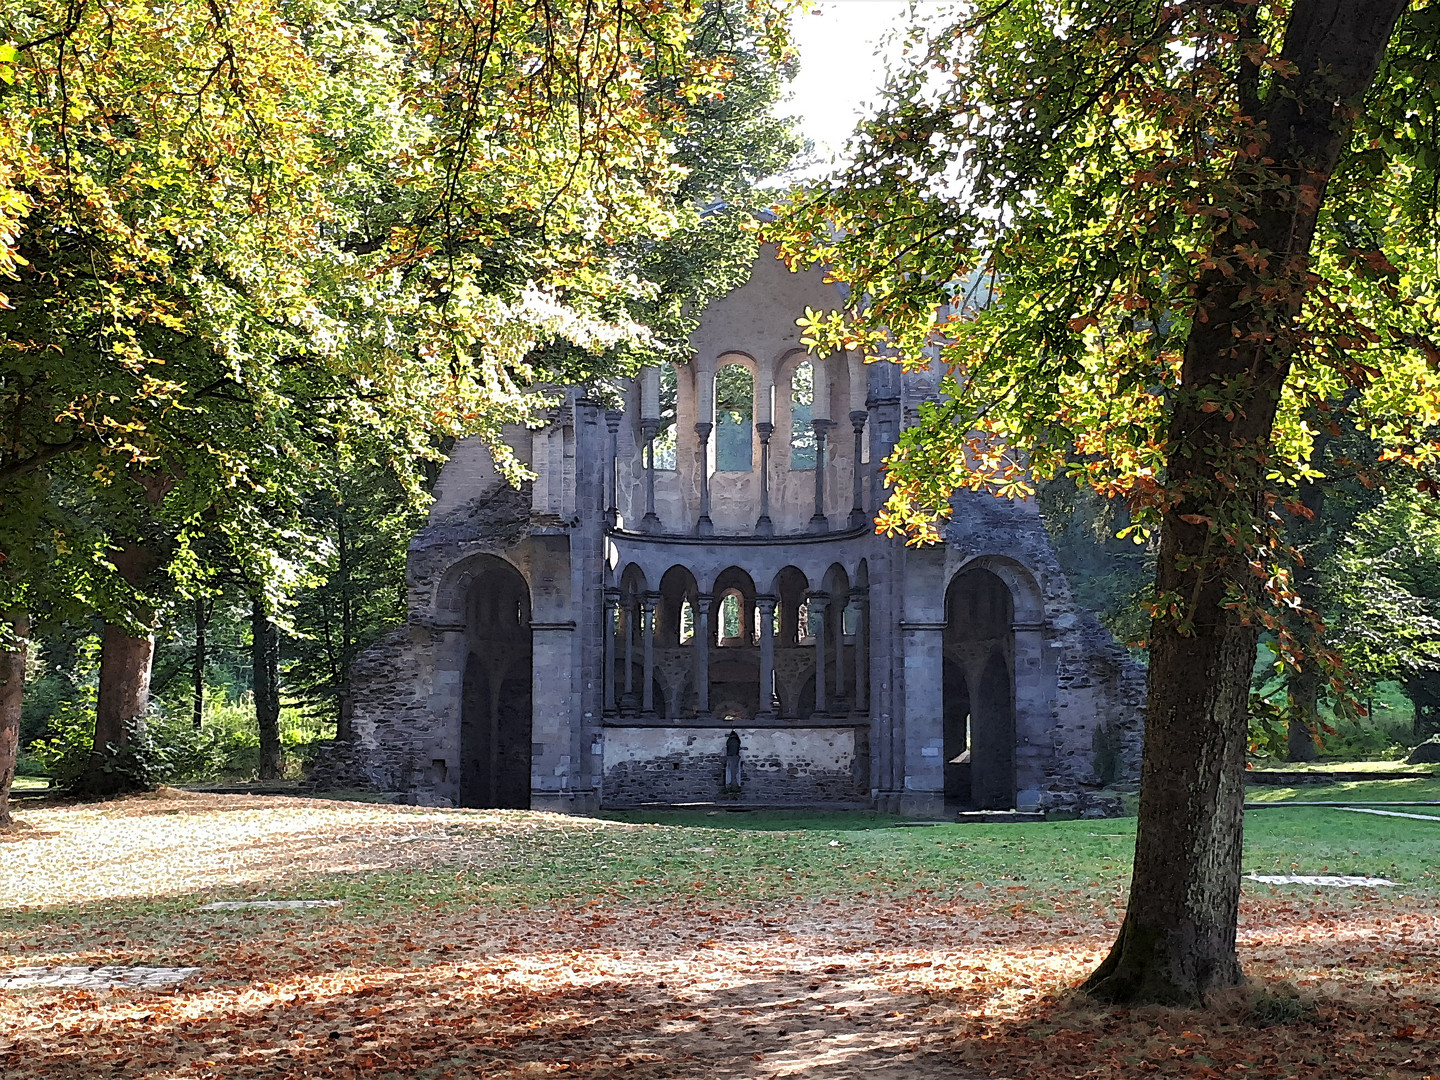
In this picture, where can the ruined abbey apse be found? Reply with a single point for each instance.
(702, 561)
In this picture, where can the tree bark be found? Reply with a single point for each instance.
(1304, 692)
(202, 619)
(12, 696)
(1177, 943)
(124, 691)
(265, 667)
(347, 627)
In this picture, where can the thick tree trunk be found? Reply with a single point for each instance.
(124, 691)
(12, 696)
(1177, 943)
(265, 667)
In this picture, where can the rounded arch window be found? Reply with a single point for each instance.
(734, 418)
(802, 412)
(730, 619)
(665, 435)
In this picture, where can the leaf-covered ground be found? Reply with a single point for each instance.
(510, 944)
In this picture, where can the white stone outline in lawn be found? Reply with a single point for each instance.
(245, 905)
(1337, 881)
(108, 977)
(1388, 813)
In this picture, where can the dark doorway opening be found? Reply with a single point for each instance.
(979, 693)
(495, 703)
(956, 735)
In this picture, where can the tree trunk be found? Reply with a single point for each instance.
(12, 696)
(198, 665)
(265, 666)
(1304, 692)
(347, 627)
(1177, 943)
(124, 690)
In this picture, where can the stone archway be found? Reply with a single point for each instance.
(979, 691)
(495, 699)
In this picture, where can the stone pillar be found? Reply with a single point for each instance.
(763, 525)
(650, 523)
(838, 701)
(704, 526)
(857, 511)
(765, 612)
(862, 648)
(647, 628)
(612, 469)
(628, 701)
(612, 603)
(702, 654)
(818, 522)
(819, 603)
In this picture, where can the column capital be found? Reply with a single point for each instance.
(649, 426)
(858, 417)
(612, 595)
(649, 601)
(612, 420)
(821, 426)
(764, 431)
(766, 603)
(703, 429)
(704, 598)
(818, 595)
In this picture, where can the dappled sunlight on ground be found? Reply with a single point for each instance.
(874, 984)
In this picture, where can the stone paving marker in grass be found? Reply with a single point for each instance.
(245, 905)
(1338, 881)
(99, 978)
(1389, 813)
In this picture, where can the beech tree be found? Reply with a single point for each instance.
(252, 231)
(1156, 245)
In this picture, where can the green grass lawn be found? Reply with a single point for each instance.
(759, 857)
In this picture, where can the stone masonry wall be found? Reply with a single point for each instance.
(777, 765)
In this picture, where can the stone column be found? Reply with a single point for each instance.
(647, 628)
(765, 611)
(612, 471)
(838, 702)
(704, 526)
(857, 511)
(702, 654)
(763, 525)
(650, 523)
(862, 648)
(612, 602)
(628, 701)
(819, 603)
(818, 522)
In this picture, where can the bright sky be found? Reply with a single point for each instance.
(840, 73)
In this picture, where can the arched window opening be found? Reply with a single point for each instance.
(850, 620)
(729, 627)
(665, 442)
(808, 621)
(687, 623)
(802, 411)
(734, 418)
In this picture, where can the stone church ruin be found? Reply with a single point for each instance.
(703, 561)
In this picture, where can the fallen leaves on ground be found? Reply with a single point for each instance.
(875, 986)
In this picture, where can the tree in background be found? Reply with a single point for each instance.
(258, 232)
(1200, 225)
